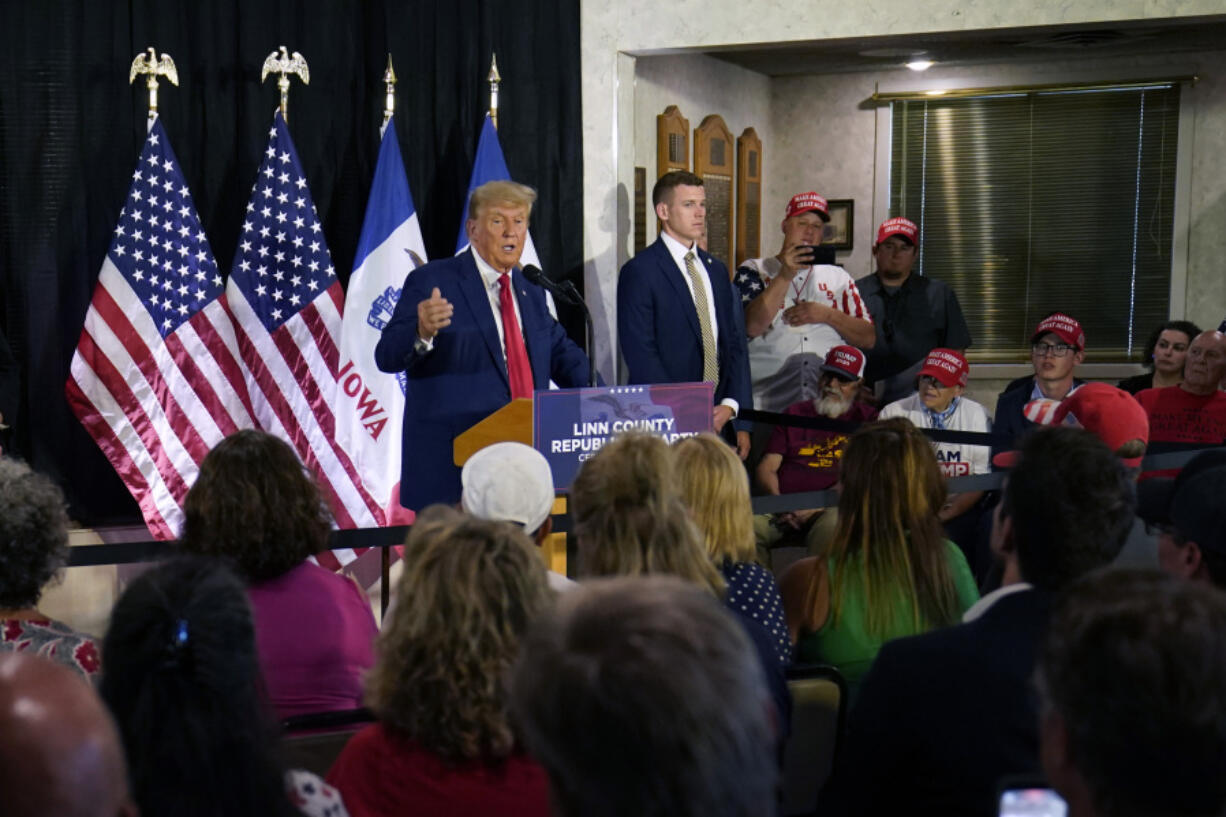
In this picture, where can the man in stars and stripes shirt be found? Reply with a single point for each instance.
(796, 311)
(287, 304)
(155, 378)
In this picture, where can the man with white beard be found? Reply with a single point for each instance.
(799, 460)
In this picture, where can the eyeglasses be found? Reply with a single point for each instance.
(1053, 349)
(929, 380)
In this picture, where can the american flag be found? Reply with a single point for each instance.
(749, 283)
(155, 378)
(287, 305)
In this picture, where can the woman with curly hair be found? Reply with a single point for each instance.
(183, 682)
(714, 486)
(254, 506)
(890, 571)
(442, 744)
(33, 550)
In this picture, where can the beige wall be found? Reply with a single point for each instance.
(617, 34)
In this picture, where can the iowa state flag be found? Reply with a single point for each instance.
(370, 404)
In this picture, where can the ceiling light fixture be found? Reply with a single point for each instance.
(920, 65)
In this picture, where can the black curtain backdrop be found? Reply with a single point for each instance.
(71, 129)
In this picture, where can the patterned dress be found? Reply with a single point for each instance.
(752, 590)
(53, 640)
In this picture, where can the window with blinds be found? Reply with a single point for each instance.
(1035, 202)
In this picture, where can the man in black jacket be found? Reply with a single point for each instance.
(945, 715)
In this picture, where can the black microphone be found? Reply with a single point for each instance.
(567, 292)
(534, 274)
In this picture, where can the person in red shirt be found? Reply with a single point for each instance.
(1195, 410)
(443, 746)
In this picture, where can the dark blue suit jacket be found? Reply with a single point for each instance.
(941, 717)
(463, 379)
(657, 325)
(1010, 418)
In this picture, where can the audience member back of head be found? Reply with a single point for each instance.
(630, 521)
(1132, 677)
(33, 551)
(183, 681)
(255, 506)
(443, 746)
(642, 696)
(60, 754)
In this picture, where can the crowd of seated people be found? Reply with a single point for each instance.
(656, 683)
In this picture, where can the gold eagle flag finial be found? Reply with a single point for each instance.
(389, 89)
(154, 67)
(495, 79)
(283, 63)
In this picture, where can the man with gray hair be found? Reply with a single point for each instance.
(60, 753)
(473, 334)
(643, 696)
(512, 482)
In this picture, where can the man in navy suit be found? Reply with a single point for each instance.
(472, 333)
(678, 318)
(945, 715)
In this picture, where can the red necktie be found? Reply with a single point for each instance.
(519, 370)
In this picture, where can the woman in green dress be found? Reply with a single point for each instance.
(890, 571)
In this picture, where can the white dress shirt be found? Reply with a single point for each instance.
(678, 250)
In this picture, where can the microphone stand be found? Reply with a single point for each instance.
(568, 293)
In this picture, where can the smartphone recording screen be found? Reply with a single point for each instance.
(1032, 803)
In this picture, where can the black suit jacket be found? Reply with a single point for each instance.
(1010, 407)
(941, 717)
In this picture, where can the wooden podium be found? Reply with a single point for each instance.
(513, 423)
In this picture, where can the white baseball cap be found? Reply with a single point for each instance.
(508, 482)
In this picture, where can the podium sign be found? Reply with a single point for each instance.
(570, 425)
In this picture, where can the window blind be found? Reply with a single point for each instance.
(1035, 202)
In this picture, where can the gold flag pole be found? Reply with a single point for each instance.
(283, 63)
(389, 101)
(154, 67)
(494, 79)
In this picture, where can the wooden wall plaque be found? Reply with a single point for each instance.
(672, 141)
(748, 196)
(713, 161)
(640, 209)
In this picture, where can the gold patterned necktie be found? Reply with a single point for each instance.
(710, 356)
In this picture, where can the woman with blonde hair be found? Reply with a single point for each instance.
(714, 486)
(630, 521)
(890, 571)
(442, 744)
